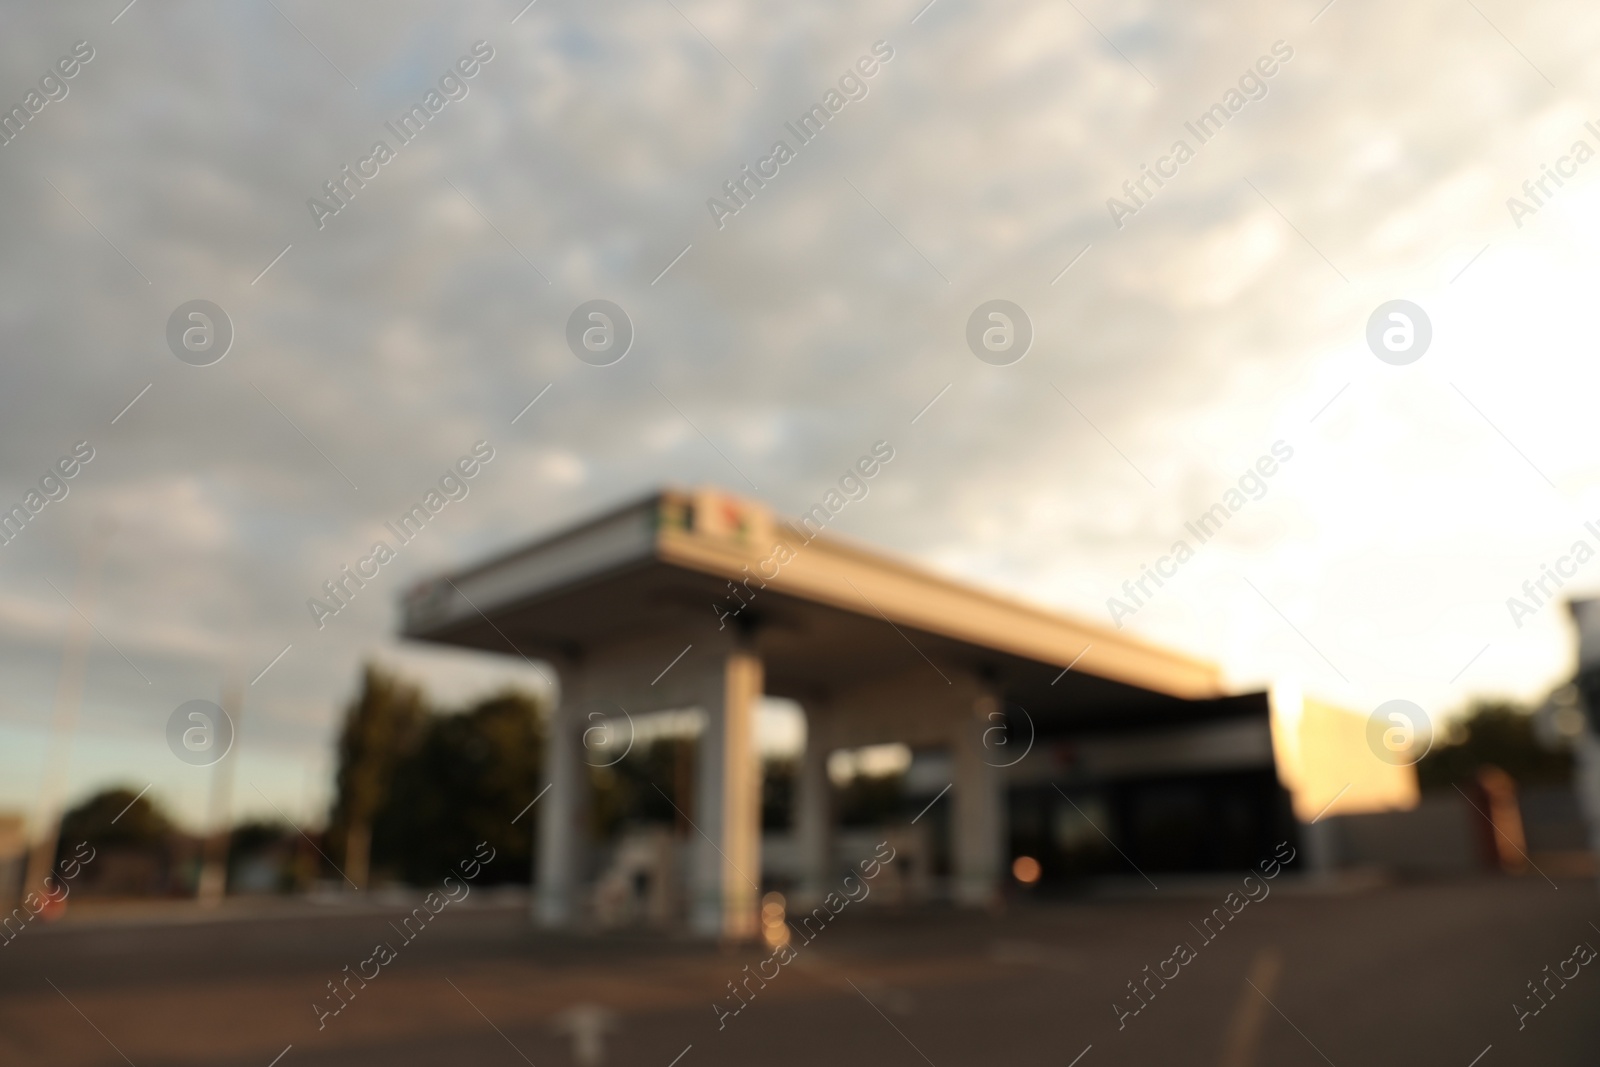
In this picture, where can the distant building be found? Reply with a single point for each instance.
(1031, 733)
(13, 856)
(1586, 745)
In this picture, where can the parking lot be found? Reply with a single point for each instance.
(1389, 975)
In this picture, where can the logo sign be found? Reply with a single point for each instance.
(607, 734)
(1005, 743)
(1399, 332)
(199, 733)
(199, 333)
(999, 332)
(599, 332)
(1399, 733)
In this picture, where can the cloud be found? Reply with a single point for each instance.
(417, 321)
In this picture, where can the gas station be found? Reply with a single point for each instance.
(1047, 729)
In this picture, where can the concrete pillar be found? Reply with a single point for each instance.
(814, 816)
(563, 811)
(1320, 840)
(725, 858)
(1586, 781)
(977, 825)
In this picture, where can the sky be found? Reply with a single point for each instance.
(1176, 339)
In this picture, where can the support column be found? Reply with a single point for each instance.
(725, 864)
(1586, 778)
(1321, 843)
(563, 811)
(814, 816)
(977, 825)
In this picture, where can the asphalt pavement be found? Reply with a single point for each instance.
(1405, 975)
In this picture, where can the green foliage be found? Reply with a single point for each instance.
(257, 835)
(637, 788)
(870, 799)
(263, 841)
(382, 725)
(142, 826)
(463, 781)
(643, 787)
(779, 783)
(1496, 733)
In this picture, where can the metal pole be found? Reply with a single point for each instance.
(214, 867)
(64, 718)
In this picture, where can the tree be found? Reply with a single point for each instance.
(381, 727)
(261, 855)
(137, 849)
(1497, 733)
(650, 785)
(115, 818)
(466, 779)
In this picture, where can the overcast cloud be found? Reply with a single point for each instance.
(1226, 315)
